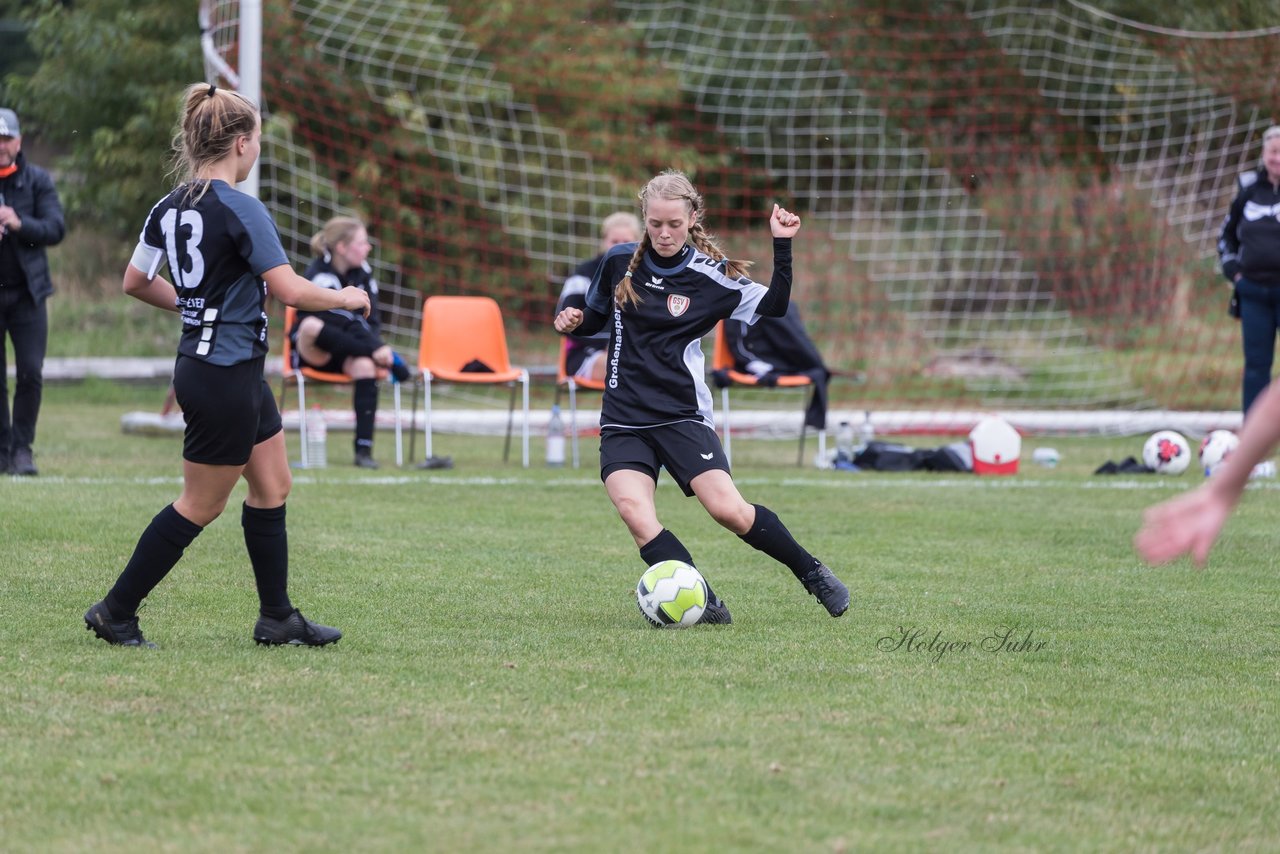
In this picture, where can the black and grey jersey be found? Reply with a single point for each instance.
(322, 274)
(655, 372)
(217, 250)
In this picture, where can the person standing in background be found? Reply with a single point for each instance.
(1249, 248)
(30, 221)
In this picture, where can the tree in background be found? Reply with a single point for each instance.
(104, 89)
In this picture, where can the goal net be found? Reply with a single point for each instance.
(1006, 206)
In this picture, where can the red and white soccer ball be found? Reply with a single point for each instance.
(1167, 452)
(1216, 447)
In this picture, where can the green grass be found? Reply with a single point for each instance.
(497, 689)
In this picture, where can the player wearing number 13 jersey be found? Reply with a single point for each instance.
(659, 298)
(224, 255)
(217, 245)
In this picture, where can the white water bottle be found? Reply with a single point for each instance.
(844, 442)
(866, 432)
(316, 439)
(555, 439)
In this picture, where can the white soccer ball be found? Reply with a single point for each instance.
(1216, 447)
(1167, 452)
(672, 594)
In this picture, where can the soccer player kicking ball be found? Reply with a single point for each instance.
(1191, 522)
(224, 255)
(661, 296)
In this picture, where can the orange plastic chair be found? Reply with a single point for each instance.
(458, 331)
(572, 383)
(293, 370)
(722, 360)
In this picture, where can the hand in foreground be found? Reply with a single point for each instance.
(1189, 523)
(355, 299)
(783, 223)
(384, 356)
(568, 320)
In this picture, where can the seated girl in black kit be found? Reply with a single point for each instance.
(344, 342)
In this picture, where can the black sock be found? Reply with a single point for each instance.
(267, 542)
(667, 546)
(365, 401)
(339, 343)
(770, 536)
(157, 551)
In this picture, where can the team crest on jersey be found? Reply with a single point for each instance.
(677, 304)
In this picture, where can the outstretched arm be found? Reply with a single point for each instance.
(1191, 523)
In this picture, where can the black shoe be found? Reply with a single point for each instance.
(117, 632)
(23, 465)
(436, 463)
(827, 589)
(364, 460)
(293, 629)
(716, 612)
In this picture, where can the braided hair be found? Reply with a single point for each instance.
(673, 184)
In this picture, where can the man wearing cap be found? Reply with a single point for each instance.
(30, 220)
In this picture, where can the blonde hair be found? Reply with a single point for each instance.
(212, 120)
(339, 229)
(622, 219)
(670, 185)
(1270, 134)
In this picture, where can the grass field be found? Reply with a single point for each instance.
(497, 690)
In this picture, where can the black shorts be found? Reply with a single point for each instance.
(685, 448)
(356, 330)
(335, 365)
(227, 410)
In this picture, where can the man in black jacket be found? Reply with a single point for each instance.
(30, 220)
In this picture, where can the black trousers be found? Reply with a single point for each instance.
(24, 322)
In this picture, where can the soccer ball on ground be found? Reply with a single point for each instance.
(1216, 447)
(1166, 452)
(672, 594)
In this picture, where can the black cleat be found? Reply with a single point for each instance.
(716, 613)
(116, 632)
(293, 629)
(365, 460)
(827, 589)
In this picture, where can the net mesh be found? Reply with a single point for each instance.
(1004, 206)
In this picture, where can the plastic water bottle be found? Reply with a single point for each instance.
(844, 443)
(1047, 457)
(866, 431)
(555, 439)
(317, 439)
